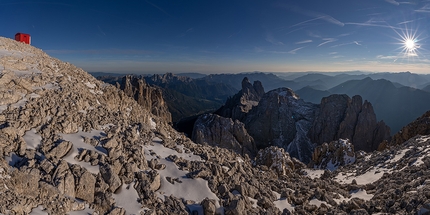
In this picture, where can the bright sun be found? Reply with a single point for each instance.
(409, 44)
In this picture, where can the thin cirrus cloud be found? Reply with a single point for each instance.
(271, 39)
(394, 2)
(350, 43)
(424, 9)
(313, 14)
(372, 24)
(304, 41)
(327, 40)
(295, 50)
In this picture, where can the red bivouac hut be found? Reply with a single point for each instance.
(21, 37)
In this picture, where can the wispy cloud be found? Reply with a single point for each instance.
(327, 40)
(271, 39)
(344, 35)
(424, 9)
(231, 35)
(100, 30)
(332, 53)
(350, 43)
(372, 24)
(304, 41)
(410, 21)
(315, 15)
(295, 50)
(394, 2)
(189, 30)
(159, 8)
(314, 34)
(304, 22)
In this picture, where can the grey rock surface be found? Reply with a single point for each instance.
(282, 119)
(214, 130)
(342, 117)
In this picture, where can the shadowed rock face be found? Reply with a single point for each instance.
(237, 106)
(150, 98)
(342, 117)
(282, 119)
(420, 126)
(214, 130)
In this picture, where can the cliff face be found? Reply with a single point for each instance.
(282, 119)
(151, 98)
(342, 117)
(241, 103)
(214, 130)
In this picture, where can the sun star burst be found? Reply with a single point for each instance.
(409, 42)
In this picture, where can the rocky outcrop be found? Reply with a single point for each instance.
(342, 117)
(240, 104)
(149, 97)
(214, 130)
(420, 126)
(277, 159)
(282, 119)
(332, 155)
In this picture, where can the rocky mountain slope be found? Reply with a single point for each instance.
(70, 144)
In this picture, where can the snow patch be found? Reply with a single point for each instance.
(90, 85)
(398, 156)
(32, 139)
(38, 211)
(318, 202)
(313, 173)
(368, 177)
(126, 197)
(78, 143)
(189, 189)
(282, 203)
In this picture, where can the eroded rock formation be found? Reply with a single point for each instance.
(240, 104)
(342, 117)
(149, 97)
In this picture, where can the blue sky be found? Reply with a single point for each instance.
(226, 36)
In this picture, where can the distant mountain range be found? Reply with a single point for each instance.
(395, 105)
(398, 98)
